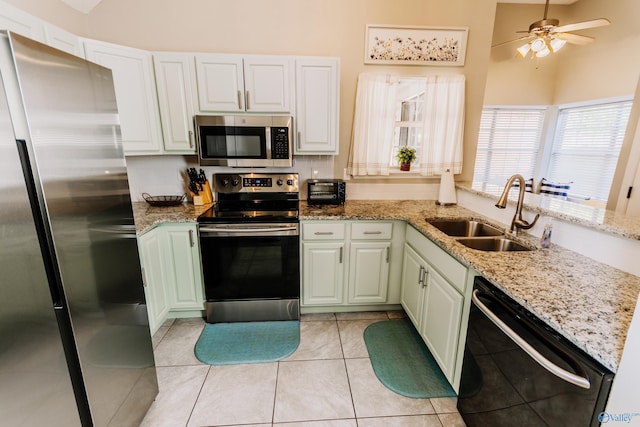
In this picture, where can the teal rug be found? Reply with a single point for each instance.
(247, 342)
(402, 361)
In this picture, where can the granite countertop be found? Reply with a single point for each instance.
(588, 302)
(146, 216)
(594, 217)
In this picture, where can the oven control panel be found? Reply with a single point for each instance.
(256, 182)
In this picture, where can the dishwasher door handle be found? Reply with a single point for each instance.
(535, 355)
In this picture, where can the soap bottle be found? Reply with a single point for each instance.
(545, 240)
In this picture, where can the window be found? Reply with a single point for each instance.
(408, 118)
(426, 113)
(583, 150)
(508, 143)
(586, 147)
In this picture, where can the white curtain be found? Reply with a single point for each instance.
(443, 130)
(373, 125)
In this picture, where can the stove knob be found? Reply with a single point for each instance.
(289, 182)
(225, 182)
(235, 181)
(279, 182)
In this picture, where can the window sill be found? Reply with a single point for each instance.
(394, 174)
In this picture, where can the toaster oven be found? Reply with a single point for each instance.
(326, 191)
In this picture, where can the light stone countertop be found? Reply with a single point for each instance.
(594, 217)
(588, 302)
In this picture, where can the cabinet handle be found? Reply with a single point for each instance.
(387, 257)
(191, 238)
(299, 139)
(246, 100)
(420, 276)
(372, 232)
(340, 261)
(424, 277)
(190, 139)
(144, 277)
(323, 233)
(240, 100)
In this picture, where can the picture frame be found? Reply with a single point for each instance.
(412, 45)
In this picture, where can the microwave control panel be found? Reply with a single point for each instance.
(279, 142)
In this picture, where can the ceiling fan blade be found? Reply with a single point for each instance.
(574, 38)
(600, 22)
(513, 41)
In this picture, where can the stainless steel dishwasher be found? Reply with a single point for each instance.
(517, 371)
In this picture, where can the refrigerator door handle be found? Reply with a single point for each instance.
(45, 249)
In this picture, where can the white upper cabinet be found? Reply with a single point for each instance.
(14, 19)
(63, 40)
(267, 84)
(237, 83)
(317, 105)
(135, 88)
(175, 83)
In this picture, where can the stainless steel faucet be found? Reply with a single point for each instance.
(517, 222)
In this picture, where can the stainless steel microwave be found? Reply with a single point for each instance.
(245, 140)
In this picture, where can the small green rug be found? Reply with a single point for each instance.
(247, 342)
(402, 362)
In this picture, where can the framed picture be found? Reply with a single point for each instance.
(404, 45)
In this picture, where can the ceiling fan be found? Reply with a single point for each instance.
(548, 36)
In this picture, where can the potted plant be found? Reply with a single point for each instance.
(405, 156)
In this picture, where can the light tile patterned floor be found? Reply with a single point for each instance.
(327, 382)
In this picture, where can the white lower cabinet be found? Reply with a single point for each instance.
(351, 263)
(323, 273)
(368, 272)
(433, 296)
(152, 259)
(170, 257)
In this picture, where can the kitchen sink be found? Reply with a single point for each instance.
(465, 228)
(494, 244)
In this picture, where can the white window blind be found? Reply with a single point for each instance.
(508, 143)
(586, 147)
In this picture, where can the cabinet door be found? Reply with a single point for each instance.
(220, 83)
(441, 321)
(18, 21)
(155, 280)
(412, 294)
(175, 77)
(368, 272)
(317, 105)
(63, 40)
(135, 88)
(267, 84)
(183, 267)
(323, 273)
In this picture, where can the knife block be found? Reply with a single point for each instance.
(204, 196)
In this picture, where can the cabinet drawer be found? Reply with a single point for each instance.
(449, 267)
(371, 230)
(323, 231)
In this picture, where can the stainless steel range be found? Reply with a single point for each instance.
(250, 248)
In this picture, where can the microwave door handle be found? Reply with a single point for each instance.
(532, 352)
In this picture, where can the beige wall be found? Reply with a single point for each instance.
(293, 27)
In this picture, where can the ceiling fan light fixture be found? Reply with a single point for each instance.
(542, 53)
(524, 50)
(538, 44)
(556, 44)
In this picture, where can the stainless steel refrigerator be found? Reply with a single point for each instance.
(75, 346)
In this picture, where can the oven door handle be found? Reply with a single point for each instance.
(270, 230)
(535, 355)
